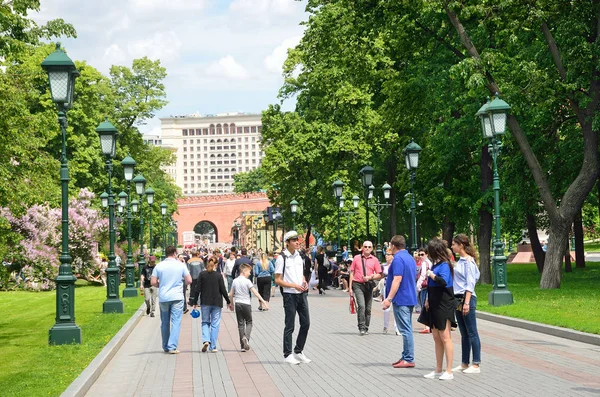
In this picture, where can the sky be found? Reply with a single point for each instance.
(220, 55)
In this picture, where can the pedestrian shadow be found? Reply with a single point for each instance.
(344, 333)
(587, 389)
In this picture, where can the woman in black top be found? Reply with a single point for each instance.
(212, 291)
(321, 270)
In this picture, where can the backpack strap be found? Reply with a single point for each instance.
(283, 272)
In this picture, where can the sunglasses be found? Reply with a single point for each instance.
(367, 246)
(421, 254)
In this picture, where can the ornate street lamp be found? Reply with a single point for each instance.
(108, 142)
(379, 207)
(128, 165)
(163, 211)
(493, 124)
(366, 178)
(338, 187)
(348, 214)
(411, 159)
(266, 218)
(140, 187)
(150, 199)
(294, 209)
(61, 76)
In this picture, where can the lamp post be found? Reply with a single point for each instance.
(493, 125)
(140, 187)
(150, 198)
(294, 209)
(366, 178)
(411, 159)
(348, 214)
(266, 218)
(163, 211)
(108, 141)
(338, 186)
(61, 76)
(379, 207)
(128, 164)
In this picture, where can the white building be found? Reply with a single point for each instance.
(210, 149)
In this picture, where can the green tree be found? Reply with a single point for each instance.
(251, 181)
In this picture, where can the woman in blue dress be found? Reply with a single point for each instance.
(440, 305)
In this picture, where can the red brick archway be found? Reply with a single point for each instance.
(221, 210)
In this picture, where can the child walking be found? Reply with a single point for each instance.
(240, 298)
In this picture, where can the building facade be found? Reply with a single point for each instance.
(210, 149)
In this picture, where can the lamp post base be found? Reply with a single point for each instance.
(112, 306)
(64, 334)
(379, 253)
(130, 292)
(500, 297)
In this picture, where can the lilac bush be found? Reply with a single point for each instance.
(40, 248)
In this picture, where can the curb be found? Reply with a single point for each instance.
(565, 333)
(82, 384)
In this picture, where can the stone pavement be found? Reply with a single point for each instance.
(514, 361)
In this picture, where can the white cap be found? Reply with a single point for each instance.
(289, 235)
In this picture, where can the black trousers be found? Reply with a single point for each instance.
(264, 287)
(292, 304)
(243, 314)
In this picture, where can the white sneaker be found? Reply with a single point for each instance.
(472, 370)
(446, 376)
(291, 360)
(432, 375)
(302, 358)
(459, 368)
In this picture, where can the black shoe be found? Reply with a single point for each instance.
(147, 311)
(186, 311)
(151, 314)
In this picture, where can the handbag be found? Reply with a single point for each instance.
(459, 303)
(424, 317)
(370, 285)
(352, 305)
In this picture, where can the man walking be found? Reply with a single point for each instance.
(170, 276)
(402, 293)
(243, 259)
(289, 275)
(195, 266)
(365, 271)
(150, 292)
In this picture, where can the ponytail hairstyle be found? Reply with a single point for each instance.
(463, 240)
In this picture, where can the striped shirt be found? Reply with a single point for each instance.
(466, 274)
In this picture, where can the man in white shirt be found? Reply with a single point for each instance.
(169, 276)
(289, 275)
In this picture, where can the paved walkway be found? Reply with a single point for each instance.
(515, 361)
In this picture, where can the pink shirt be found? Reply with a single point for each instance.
(371, 264)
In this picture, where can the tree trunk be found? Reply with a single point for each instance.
(558, 239)
(390, 165)
(484, 234)
(484, 237)
(448, 228)
(568, 267)
(307, 238)
(578, 230)
(536, 247)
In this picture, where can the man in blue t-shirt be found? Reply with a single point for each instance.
(401, 292)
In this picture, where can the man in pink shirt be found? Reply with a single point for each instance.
(365, 271)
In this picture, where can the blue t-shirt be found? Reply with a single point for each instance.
(403, 265)
(170, 274)
(441, 269)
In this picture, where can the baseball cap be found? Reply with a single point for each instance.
(152, 258)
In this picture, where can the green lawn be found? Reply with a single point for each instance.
(32, 368)
(575, 305)
(592, 247)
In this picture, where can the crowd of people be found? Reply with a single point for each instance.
(430, 282)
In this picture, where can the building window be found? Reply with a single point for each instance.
(199, 131)
(191, 163)
(185, 149)
(184, 141)
(185, 178)
(185, 132)
(246, 130)
(239, 130)
(205, 132)
(185, 156)
(253, 128)
(185, 163)
(185, 185)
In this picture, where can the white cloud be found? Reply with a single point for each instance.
(220, 55)
(228, 68)
(274, 62)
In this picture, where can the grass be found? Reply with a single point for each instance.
(592, 247)
(574, 305)
(29, 365)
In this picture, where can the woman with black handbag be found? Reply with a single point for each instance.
(440, 305)
(466, 274)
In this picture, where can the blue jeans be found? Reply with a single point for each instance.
(170, 323)
(468, 333)
(211, 321)
(403, 316)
